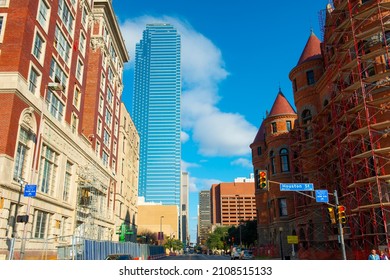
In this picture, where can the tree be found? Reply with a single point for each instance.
(146, 236)
(173, 244)
(217, 239)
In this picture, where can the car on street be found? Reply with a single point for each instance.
(247, 255)
(119, 257)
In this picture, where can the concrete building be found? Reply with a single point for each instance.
(126, 192)
(184, 210)
(232, 203)
(53, 94)
(338, 142)
(155, 217)
(204, 217)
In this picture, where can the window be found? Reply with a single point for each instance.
(97, 148)
(110, 75)
(62, 45)
(288, 125)
(101, 102)
(43, 14)
(306, 120)
(284, 160)
(108, 117)
(54, 105)
(116, 128)
(48, 170)
(38, 46)
(65, 15)
(109, 96)
(79, 70)
(82, 43)
(76, 98)
(105, 158)
(272, 159)
(102, 81)
(57, 74)
(4, 3)
(283, 207)
(259, 151)
(99, 127)
(22, 152)
(84, 17)
(310, 77)
(67, 181)
(74, 123)
(41, 222)
(274, 129)
(295, 85)
(106, 138)
(33, 80)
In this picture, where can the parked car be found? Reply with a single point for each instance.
(247, 255)
(119, 257)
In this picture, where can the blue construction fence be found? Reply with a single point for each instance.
(99, 250)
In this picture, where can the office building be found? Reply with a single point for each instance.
(204, 217)
(156, 113)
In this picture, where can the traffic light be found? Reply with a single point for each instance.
(332, 216)
(341, 216)
(262, 180)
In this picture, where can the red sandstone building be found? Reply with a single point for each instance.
(339, 141)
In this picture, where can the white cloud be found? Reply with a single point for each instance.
(244, 162)
(186, 165)
(198, 184)
(184, 136)
(215, 132)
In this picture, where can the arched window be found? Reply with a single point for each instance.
(284, 160)
(24, 145)
(306, 120)
(272, 160)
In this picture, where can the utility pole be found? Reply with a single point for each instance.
(340, 226)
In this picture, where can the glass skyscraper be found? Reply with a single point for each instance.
(156, 113)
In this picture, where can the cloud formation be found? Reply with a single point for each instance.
(199, 184)
(244, 162)
(216, 133)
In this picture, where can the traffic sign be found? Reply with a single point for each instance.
(297, 187)
(30, 190)
(292, 239)
(322, 196)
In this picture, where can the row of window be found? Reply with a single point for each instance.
(310, 80)
(49, 171)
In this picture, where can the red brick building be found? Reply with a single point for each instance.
(61, 65)
(339, 141)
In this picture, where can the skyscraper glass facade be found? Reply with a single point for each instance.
(156, 113)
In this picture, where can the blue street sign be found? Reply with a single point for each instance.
(322, 196)
(30, 190)
(297, 187)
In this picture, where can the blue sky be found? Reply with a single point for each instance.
(235, 56)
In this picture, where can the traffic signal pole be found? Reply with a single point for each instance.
(340, 226)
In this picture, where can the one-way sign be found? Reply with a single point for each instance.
(322, 196)
(30, 190)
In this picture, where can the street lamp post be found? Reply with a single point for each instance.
(161, 234)
(281, 243)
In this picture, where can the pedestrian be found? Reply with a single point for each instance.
(383, 255)
(373, 255)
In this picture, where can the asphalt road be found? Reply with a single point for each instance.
(197, 257)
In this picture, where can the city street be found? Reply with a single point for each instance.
(197, 257)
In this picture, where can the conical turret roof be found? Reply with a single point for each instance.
(281, 106)
(312, 49)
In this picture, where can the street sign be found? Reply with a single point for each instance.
(297, 187)
(292, 239)
(322, 196)
(30, 190)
